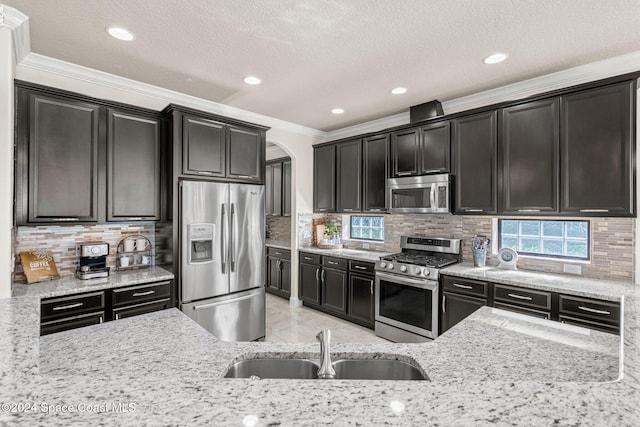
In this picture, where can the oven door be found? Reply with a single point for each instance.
(407, 303)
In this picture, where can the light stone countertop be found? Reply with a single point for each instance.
(493, 368)
(355, 254)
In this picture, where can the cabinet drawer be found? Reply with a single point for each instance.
(280, 253)
(142, 293)
(523, 297)
(522, 310)
(74, 322)
(309, 258)
(604, 327)
(465, 286)
(361, 266)
(69, 306)
(333, 262)
(135, 310)
(594, 310)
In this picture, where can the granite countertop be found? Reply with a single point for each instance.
(72, 285)
(355, 254)
(161, 368)
(279, 244)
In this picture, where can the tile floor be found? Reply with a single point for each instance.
(301, 324)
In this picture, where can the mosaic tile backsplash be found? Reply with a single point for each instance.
(612, 240)
(63, 240)
(279, 228)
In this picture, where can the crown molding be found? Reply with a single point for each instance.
(74, 71)
(18, 22)
(371, 126)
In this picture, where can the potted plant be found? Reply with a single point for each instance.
(330, 236)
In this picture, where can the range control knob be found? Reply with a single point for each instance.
(383, 264)
(390, 266)
(417, 270)
(403, 268)
(425, 272)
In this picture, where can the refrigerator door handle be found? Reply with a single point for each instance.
(215, 304)
(223, 239)
(233, 243)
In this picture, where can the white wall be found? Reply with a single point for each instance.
(6, 158)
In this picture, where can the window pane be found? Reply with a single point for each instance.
(366, 233)
(356, 232)
(557, 238)
(530, 228)
(509, 226)
(366, 221)
(375, 234)
(367, 227)
(376, 221)
(355, 221)
(552, 228)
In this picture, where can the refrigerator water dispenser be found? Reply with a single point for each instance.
(200, 243)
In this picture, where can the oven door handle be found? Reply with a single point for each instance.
(416, 283)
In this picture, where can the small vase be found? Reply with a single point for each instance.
(479, 257)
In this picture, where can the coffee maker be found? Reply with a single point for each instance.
(93, 260)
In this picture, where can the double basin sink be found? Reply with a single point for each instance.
(345, 369)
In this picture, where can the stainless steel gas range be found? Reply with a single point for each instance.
(407, 288)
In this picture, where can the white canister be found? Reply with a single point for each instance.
(129, 245)
(141, 244)
(124, 261)
(146, 260)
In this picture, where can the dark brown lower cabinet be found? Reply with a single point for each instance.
(279, 272)
(360, 307)
(137, 309)
(457, 307)
(334, 290)
(140, 299)
(310, 284)
(73, 322)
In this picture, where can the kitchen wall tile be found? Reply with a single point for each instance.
(279, 228)
(63, 242)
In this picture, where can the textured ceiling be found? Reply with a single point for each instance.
(314, 55)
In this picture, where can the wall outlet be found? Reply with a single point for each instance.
(572, 269)
(365, 246)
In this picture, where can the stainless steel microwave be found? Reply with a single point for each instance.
(420, 194)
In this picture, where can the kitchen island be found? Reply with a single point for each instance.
(163, 369)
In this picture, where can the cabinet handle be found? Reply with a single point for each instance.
(65, 219)
(528, 210)
(375, 210)
(594, 210)
(204, 173)
(359, 267)
(403, 173)
(474, 210)
(444, 309)
(307, 258)
(593, 310)
(457, 285)
(372, 287)
(141, 294)
(516, 296)
(332, 263)
(317, 278)
(348, 210)
(244, 176)
(67, 307)
(278, 253)
(323, 275)
(432, 170)
(101, 319)
(135, 218)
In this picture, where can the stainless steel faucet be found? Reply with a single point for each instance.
(326, 370)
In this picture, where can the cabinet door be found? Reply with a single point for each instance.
(136, 310)
(334, 290)
(285, 277)
(349, 178)
(405, 148)
(268, 189)
(203, 147)
(597, 151)
(435, 145)
(277, 189)
(361, 300)
(273, 273)
(475, 158)
(530, 141)
(324, 181)
(245, 154)
(59, 141)
(286, 188)
(456, 307)
(310, 284)
(68, 323)
(133, 167)
(376, 171)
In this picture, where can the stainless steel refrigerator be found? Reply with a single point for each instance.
(222, 258)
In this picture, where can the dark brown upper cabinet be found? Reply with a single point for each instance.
(245, 153)
(475, 159)
(274, 182)
(59, 159)
(349, 176)
(597, 151)
(435, 146)
(286, 188)
(324, 179)
(203, 147)
(375, 153)
(405, 150)
(133, 167)
(529, 146)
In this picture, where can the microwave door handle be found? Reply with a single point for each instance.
(432, 196)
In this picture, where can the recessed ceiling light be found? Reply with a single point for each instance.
(495, 58)
(121, 33)
(252, 80)
(399, 90)
(337, 111)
